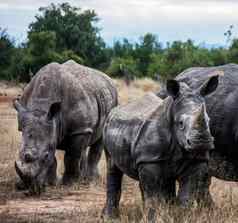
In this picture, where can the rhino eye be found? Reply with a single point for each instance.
(46, 156)
(30, 135)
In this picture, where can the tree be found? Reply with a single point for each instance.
(6, 52)
(123, 48)
(143, 51)
(74, 30)
(128, 64)
(228, 34)
(233, 52)
(219, 56)
(39, 51)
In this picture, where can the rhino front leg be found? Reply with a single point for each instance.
(71, 166)
(19, 185)
(52, 174)
(114, 182)
(155, 188)
(75, 159)
(94, 155)
(194, 186)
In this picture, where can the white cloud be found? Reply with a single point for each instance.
(202, 20)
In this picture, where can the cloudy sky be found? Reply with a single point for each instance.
(200, 20)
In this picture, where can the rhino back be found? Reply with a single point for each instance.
(127, 131)
(86, 95)
(96, 91)
(196, 76)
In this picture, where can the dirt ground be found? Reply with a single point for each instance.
(83, 203)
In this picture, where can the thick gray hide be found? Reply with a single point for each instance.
(86, 97)
(63, 107)
(140, 141)
(222, 108)
(133, 133)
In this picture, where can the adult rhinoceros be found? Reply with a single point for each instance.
(158, 142)
(222, 108)
(63, 107)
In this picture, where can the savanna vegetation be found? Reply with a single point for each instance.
(61, 32)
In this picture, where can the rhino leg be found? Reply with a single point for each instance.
(71, 165)
(94, 155)
(155, 187)
(222, 168)
(194, 186)
(19, 185)
(52, 174)
(114, 182)
(75, 159)
(83, 165)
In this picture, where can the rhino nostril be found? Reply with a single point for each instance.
(28, 158)
(188, 142)
(46, 156)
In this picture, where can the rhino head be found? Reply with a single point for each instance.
(39, 138)
(189, 117)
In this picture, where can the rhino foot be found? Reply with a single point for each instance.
(69, 180)
(52, 182)
(110, 214)
(92, 176)
(52, 174)
(20, 186)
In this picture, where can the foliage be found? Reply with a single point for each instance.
(39, 51)
(6, 52)
(62, 32)
(233, 52)
(118, 64)
(148, 45)
(74, 30)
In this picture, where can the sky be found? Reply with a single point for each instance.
(199, 20)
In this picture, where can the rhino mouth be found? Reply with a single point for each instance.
(30, 177)
(200, 147)
(199, 151)
(199, 144)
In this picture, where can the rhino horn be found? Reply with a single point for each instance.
(200, 121)
(17, 105)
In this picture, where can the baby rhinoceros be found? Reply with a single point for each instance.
(63, 107)
(157, 142)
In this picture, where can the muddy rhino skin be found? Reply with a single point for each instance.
(64, 106)
(222, 108)
(158, 142)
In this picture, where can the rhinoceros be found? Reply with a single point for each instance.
(63, 107)
(158, 142)
(222, 108)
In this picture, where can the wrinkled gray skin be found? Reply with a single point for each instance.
(222, 108)
(158, 142)
(63, 107)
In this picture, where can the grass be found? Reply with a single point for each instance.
(83, 203)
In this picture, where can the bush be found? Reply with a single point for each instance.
(6, 53)
(127, 64)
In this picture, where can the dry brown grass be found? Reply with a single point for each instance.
(83, 203)
(136, 89)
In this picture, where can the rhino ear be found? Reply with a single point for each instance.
(209, 86)
(17, 105)
(173, 88)
(54, 110)
(21, 113)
